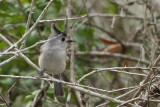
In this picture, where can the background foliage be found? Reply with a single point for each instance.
(136, 37)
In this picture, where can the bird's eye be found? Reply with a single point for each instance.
(63, 39)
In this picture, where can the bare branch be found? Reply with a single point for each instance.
(71, 33)
(29, 17)
(7, 104)
(96, 53)
(148, 77)
(31, 29)
(8, 60)
(113, 69)
(28, 23)
(93, 15)
(22, 55)
(67, 84)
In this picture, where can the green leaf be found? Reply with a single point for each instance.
(11, 6)
(36, 14)
(6, 81)
(80, 37)
(32, 38)
(111, 8)
(35, 92)
(20, 27)
(2, 45)
(8, 6)
(29, 97)
(29, 104)
(57, 4)
(6, 67)
(4, 14)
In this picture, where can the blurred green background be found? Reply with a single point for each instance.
(13, 19)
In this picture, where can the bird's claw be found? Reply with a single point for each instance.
(42, 72)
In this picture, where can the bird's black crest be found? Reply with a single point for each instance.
(54, 29)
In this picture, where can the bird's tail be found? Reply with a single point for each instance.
(58, 90)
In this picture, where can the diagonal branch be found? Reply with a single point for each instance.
(7, 104)
(69, 85)
(21, 54)
(147, 78)
(31, 29)
(28, 22)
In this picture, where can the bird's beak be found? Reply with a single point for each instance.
(69, 41)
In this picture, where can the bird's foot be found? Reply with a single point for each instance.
(42, 72)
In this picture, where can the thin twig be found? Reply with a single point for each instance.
(71, 31)
(25, 49)
(93, 15)
(8, 60)
(67, 84)
(7, 104)
(48, 98)
(21, 54)
(103, 104)
(39, 96)
(10, 90)
(129, 101)
(29, 17)
(91, 53)
(148, 77)
(28, 23)
(31, 29)
(114, 68)
(96, 53)
(68, 97)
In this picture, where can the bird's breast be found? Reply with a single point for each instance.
(53, 61)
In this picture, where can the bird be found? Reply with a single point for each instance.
(53, 57)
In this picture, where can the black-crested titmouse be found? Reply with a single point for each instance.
(53, 56)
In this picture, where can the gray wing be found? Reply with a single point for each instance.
(43, 47)
(46, 46)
